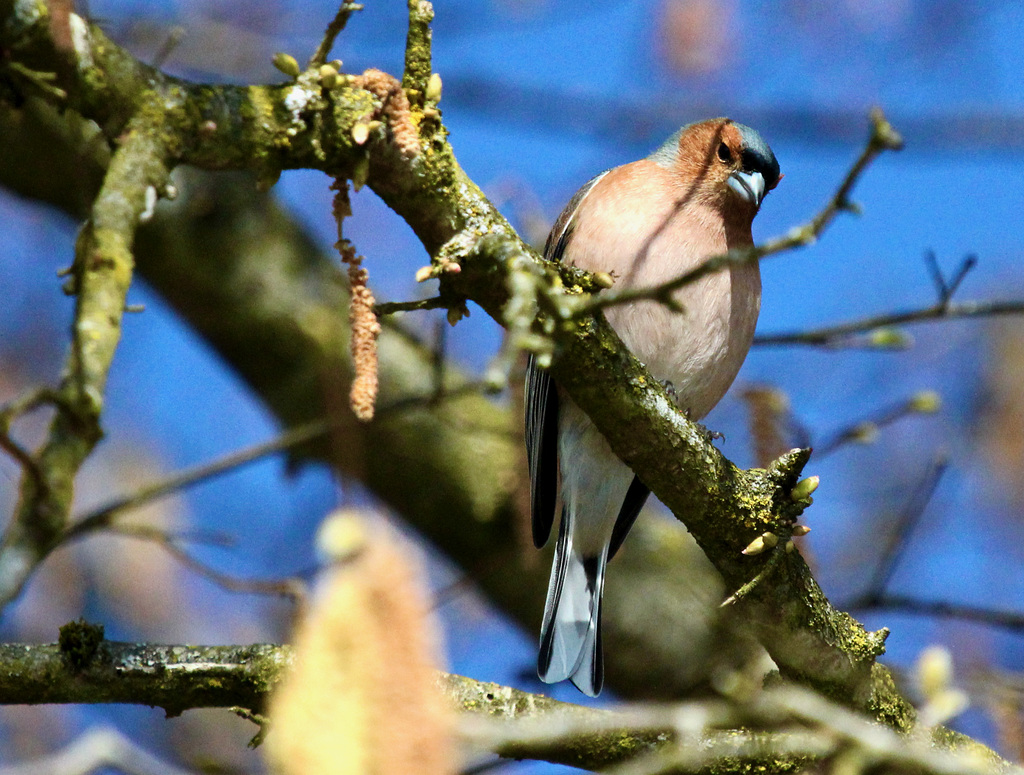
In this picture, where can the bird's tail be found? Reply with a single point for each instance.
(570, 637)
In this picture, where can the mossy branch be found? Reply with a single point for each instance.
(689, 737)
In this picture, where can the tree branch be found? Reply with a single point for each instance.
(687, 737)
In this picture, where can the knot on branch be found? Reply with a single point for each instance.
(395, 108)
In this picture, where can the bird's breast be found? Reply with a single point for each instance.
(645, 239)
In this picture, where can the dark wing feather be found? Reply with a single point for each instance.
(541, 448)
(635, 498)
(542, 399)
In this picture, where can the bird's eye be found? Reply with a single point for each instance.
(724, 153)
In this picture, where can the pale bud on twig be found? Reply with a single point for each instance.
(865, 433)
(890, 338)
(926, 402)
(434, 89)
(328, 77)
(802, 490)
(287, 64)
(360, 133)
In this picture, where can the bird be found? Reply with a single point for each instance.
(644, 223)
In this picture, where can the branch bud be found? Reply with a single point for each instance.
(287, 64)
(865, 433)
(328, 77)
(764, 541)
(433, 94)
(925, 402)
(890, 339)
(360, 133)
(802, 490)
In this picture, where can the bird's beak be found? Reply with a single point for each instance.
(749, 185)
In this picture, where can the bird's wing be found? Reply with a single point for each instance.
(542, 397)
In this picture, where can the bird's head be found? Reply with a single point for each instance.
(721, 162)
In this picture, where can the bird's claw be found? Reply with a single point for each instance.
(708, 435)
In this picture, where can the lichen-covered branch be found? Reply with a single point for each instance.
(795, 726)
(418, 57)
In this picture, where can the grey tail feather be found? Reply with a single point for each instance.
(547, 630)
(589, 674)
(570, 642)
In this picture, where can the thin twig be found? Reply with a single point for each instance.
(333, 31)
(865, 431)
(12, 411)
(100, 749)
(438, 357)
(833, 336)
(291, 588)
(103, 516)
(391, 307)
(883, 138)
(898, 537)
(749, 587)
(1010, 620)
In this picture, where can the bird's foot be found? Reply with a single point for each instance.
(709, 435)
(671, 390)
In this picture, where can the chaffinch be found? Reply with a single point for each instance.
(645, 223)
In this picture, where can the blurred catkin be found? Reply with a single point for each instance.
(363, 697)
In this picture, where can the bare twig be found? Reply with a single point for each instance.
(866, 431)
(391, 307)
(102, 274)
(1009, 620)
(332, 32)
(96, 750)
(103, 516)
(749, 587)
(883, 138)
(900, 533)
(292, 588)
(11, 412)
(841, 335)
